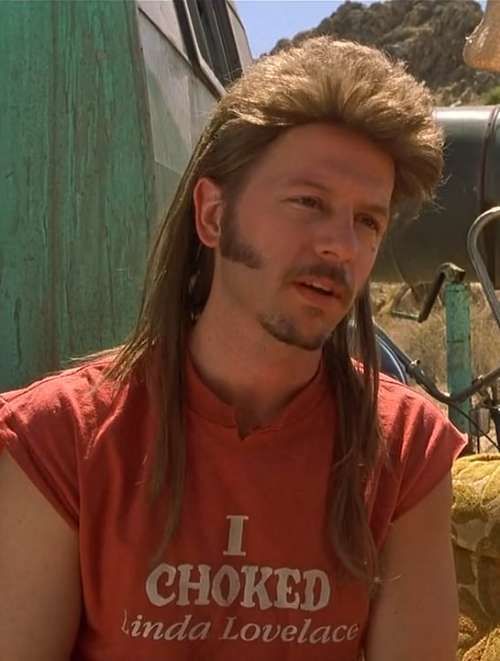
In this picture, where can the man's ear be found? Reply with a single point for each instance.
(208, 209)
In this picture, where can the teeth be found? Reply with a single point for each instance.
(318, 286)
(314, 284)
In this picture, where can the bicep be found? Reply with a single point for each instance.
(415, 615)
(40, 592)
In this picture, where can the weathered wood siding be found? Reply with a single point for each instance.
(76, 181)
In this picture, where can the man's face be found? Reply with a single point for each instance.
(300, 240)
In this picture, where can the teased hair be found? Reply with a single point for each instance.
(322, 80)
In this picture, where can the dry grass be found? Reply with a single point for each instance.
(427, 341)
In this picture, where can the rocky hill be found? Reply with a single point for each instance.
(428, 35)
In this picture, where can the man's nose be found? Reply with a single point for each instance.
(337, 238)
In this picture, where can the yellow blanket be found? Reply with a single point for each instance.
(476, 542)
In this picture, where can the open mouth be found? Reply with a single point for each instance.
(315, 295)
(316, 288)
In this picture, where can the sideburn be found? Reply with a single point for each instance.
(232, 245)
(200, 281)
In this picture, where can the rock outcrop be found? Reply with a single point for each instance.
(429, 35)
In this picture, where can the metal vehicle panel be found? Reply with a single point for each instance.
(415, 248)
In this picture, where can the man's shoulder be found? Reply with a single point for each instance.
(404, 407)
(80, 390)
(72, 379)
(56, 430)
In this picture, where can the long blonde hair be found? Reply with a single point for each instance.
(322, 80)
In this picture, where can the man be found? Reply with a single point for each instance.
(231, 482)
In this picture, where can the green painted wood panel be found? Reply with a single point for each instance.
(76, 181)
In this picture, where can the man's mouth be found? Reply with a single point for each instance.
(320, 285)
(317, 294)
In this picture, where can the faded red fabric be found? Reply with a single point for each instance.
(250, 573)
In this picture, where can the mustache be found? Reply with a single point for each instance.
(336, 273)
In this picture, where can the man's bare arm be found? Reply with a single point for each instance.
(415, 616)
(39, 573)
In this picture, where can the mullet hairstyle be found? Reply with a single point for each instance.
(321, 80)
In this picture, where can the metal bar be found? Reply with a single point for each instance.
(428, 304)
(446, 271)
(413, 369)
(477, 261)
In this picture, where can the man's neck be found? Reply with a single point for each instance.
(248, 369)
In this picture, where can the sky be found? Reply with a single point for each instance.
(266, 21)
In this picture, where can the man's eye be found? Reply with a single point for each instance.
(370, 222)
(308, 202)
